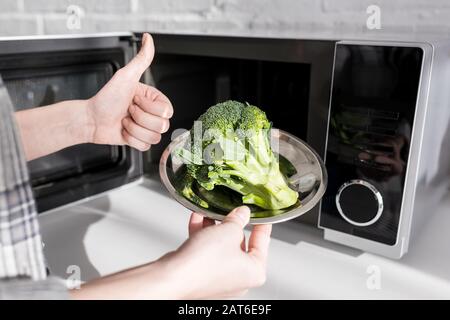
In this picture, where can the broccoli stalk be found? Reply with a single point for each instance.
(237, 154)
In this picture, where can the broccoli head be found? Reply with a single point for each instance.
(230, 147)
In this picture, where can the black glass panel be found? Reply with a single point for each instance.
(372, 112)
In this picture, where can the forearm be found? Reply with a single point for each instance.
(151, 281)
(51, 128)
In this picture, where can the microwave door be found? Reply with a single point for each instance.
(45, 70)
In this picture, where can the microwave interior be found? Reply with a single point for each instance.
(194, 83)
(39, 79)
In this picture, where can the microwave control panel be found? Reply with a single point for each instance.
(372, 109)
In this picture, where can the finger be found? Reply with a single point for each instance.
(143, 59)
(158, 107)
(388, 160)
(145, 135)
(258, 244)
(396, 165)
(364, 156)
(133, 142)
(147, 120)
(244, 244)
(195, 223)
(239, 217)
(385, 160)
(153, 93)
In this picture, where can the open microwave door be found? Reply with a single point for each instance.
(39, 71)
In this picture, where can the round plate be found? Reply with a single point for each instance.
(309, 178)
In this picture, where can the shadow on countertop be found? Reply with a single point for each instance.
(295, 232)
(64, 247)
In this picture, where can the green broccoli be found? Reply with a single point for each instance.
(186, 190)
(230, 147)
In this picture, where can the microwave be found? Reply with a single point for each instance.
(376, 112)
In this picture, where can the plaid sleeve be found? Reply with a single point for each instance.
(21, 253)
(26, 289)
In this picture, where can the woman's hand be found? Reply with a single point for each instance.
(123, 112)
(126, 111)
(216, 262)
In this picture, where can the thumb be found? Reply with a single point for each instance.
(239, 216)
(143, 59)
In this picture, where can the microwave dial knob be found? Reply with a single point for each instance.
(359, 203)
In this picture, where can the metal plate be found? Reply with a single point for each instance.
(310, 178)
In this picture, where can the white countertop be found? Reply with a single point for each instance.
(135, 225)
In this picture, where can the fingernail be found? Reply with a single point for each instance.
(243, 213)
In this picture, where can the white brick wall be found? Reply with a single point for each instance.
(339, 18)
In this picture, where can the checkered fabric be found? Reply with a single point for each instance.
(21, 253)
